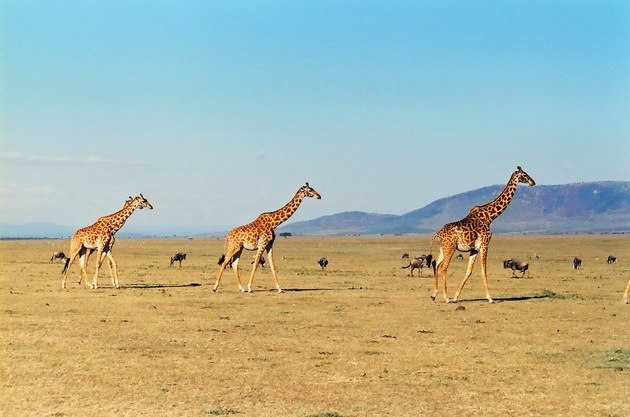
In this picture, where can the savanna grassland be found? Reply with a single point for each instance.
(360, 338)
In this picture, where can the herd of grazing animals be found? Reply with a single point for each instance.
(471, 234)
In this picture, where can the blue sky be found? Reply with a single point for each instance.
(219, 110)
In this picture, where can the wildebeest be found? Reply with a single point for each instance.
(611, 259)
(58, 255)
(418, 262)
(577, 262)
(323, 263)
(262, 262)
(179, 256)
(516, 266)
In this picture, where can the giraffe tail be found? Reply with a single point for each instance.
(65, 266)
(221, 259)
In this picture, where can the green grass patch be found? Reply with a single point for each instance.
(618, 359)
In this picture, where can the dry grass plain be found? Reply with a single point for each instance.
(358, 339)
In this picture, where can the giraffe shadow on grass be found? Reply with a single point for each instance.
(544, 294)
(146, 286)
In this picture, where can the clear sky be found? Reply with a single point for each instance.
(219, 110)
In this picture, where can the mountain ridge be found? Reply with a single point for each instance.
(587, 207)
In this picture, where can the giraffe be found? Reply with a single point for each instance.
(100, 237)
(259, 235)
(625, 294)
(472, 234)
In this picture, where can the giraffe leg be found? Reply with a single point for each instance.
(471, 264)
(273, 268)
(255, 266)
(84, 255)
(67, 266)
(65, 271)
(625, 294)
(99, 261)
(447, 255)
(113, 273)
(484, 274)
(220, 274)
(231, 257)
(235, 260)
(436, 267)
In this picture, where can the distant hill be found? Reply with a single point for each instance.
(593, 207)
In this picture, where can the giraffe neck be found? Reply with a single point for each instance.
(116, 220)
(496, 207)
(275, 218)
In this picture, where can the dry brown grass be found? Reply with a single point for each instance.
(358, 339)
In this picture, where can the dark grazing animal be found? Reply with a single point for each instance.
(577, 262)
(58, 255)
(323, 263)
(611, 259)
(229, 265)
(178, 257)
(418, 262)
(262, 262)
(516, 266)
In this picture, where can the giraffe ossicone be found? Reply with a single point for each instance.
(259, 236)
(472, 234)
(99, 237)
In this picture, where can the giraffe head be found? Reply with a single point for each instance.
(140, 202)
(308, 191)
(523, 177)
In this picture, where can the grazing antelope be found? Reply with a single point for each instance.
(577, 262)
(611, 259)
(472, 234)
(259, 235)
(178, 257)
